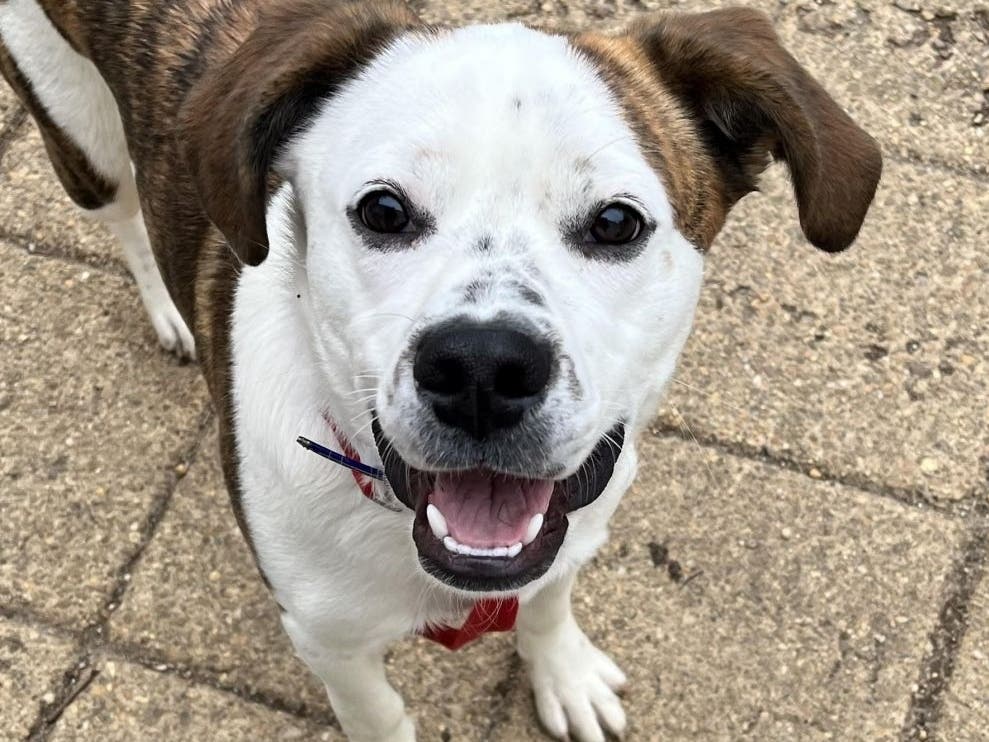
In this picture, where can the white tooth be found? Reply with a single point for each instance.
(451, 545)
(466, 550)
(513, 551)
(501, 551)
(437, 522)
(535, 526)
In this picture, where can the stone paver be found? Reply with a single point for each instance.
(36, 211)
(93, 415)
(912, 72)
(8, 105)
(127, 702)
(873, 361)
(749, 603)
(966, 709)
(196, 600)
(31, 664)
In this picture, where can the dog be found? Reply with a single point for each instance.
(468, 257)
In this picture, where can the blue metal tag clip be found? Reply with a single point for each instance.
(339, 458)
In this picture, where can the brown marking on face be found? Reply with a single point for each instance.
(665, 134)
(745, 100)
(85, 186)
(236, 119)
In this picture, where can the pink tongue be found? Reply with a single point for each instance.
(486, 510)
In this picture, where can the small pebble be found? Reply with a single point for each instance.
(929, 465)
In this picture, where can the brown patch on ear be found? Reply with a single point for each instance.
(237, 117)
(665, 133)
(750, 100)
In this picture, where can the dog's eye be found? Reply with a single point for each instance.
(615, 224)
(383, 211)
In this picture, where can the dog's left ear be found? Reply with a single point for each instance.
(751, 100)
(237, 118)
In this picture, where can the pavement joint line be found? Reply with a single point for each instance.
(82, 672)
(36, 248)
(72, 684)
(23, 614)
(11, 130)
(211, 678)
(156, 514)
(909, 496)
(948, 635)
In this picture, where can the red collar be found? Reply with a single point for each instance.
(488, 614)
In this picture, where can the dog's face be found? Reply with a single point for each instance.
(502, 234)
(501, 264)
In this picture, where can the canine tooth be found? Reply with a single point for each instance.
(437, 522)
(535, 526)
(513, 551)
(451, 545)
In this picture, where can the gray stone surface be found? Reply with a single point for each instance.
(93, 415)
(197, 601)
(749, 603)
(126, 703)
(872, 363)
(913, 72)
(8, 105)
(36, 212)
(31, 664)
(966, 708)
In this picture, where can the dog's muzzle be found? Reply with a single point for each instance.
(481, 530)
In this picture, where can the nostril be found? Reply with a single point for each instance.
(522, 378)
(449, 376)
(511, 382)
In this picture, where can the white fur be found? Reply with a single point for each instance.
(80, 103)
(323, 324)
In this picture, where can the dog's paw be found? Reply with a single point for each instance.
(575, 685)
(173, 334)
(404, 732)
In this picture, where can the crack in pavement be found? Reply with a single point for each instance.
(927, 701)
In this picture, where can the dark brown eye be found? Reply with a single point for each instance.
(615, 224)
(383, 211)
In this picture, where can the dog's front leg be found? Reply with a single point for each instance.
(574, 682)
(365, 704)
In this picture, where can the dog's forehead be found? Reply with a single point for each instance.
(491, 101)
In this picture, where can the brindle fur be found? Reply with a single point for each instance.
(86, 187)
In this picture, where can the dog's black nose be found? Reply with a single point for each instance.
(482, 377)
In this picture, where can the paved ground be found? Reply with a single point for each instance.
(802, 557)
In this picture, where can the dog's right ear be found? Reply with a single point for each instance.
(238, 117)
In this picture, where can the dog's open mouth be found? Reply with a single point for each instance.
(477, 529)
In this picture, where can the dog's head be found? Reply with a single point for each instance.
(501, 235)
